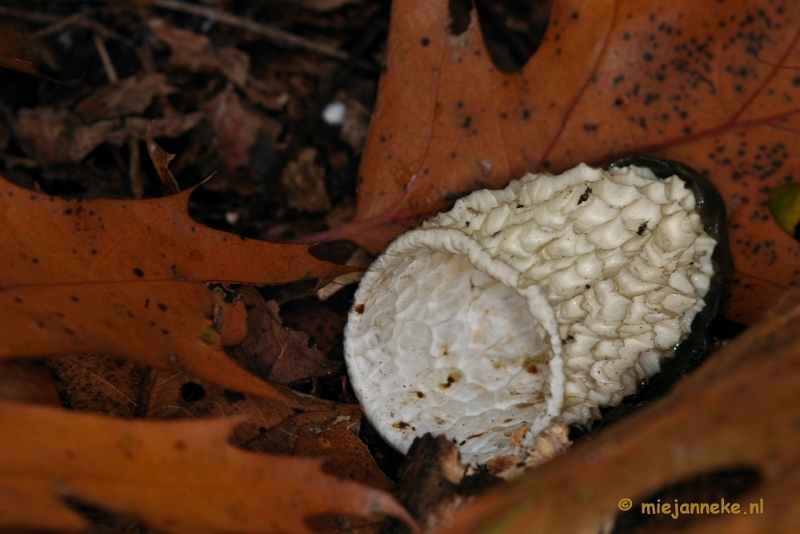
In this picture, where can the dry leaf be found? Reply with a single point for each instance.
(122, 278)
(196, 482)
(277, 353)
(26, 381)
(57, 136)
(714, 85)
(195, 52)
(238, 128)
(304, 183)
(16, 52)
(131, 96)
(61, 136)
(92, 382)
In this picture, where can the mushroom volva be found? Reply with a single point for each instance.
(532, 305)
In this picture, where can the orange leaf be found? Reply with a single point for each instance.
(122, 278)
(175, 476)
(17, 53)
(715, 85)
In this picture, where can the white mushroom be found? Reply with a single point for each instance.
(527, 306)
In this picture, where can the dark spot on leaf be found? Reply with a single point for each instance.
(138, 272)
(192, 391)
(233, 396)
(161, 306)
(425, 41)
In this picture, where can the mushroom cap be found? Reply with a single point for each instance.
(525, 306)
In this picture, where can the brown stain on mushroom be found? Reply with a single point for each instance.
(402, 425)
(452, 378)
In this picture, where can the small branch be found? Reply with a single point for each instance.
(276, 35)
(108, 65)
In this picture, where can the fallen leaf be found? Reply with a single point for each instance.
(161, 159)
(238, 127)
(714, 85)
(93, 382)
(325, 5)
(196, 482)
(123, 278)
(26, 381)
(57, 136)
(195, 52)
(107, 115)
(304, 183)
(335, 440)
(177, 395)
(730, 414)
(137, 127)
(277, 353)
(16, 52)
(131, 96)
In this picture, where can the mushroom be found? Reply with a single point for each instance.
(533, 305)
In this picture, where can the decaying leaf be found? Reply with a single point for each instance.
(714, 85)
(131, 96)
(183, 395)
(93, 382)
(16, 52)
(108, 115)
(195, 52)
(733, 413)
(122, 278)
(277, 353)
(195, 480)
(238, 127)
(26, 381)
(304, 183)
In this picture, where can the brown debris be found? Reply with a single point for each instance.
(551, 442)
(56, 136)
(96, 383)
(131, 96)
(275, 352)
(304, 183)
(108, 115)
(27, 381)
(429, 484)
(238, 128)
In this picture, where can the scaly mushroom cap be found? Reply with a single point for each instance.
(526, 306)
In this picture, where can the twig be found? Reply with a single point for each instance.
(108, 65)
(276, 35)
(135, 169)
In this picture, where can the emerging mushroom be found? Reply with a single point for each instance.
(531, 305)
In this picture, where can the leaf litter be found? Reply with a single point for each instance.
(556, 112)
